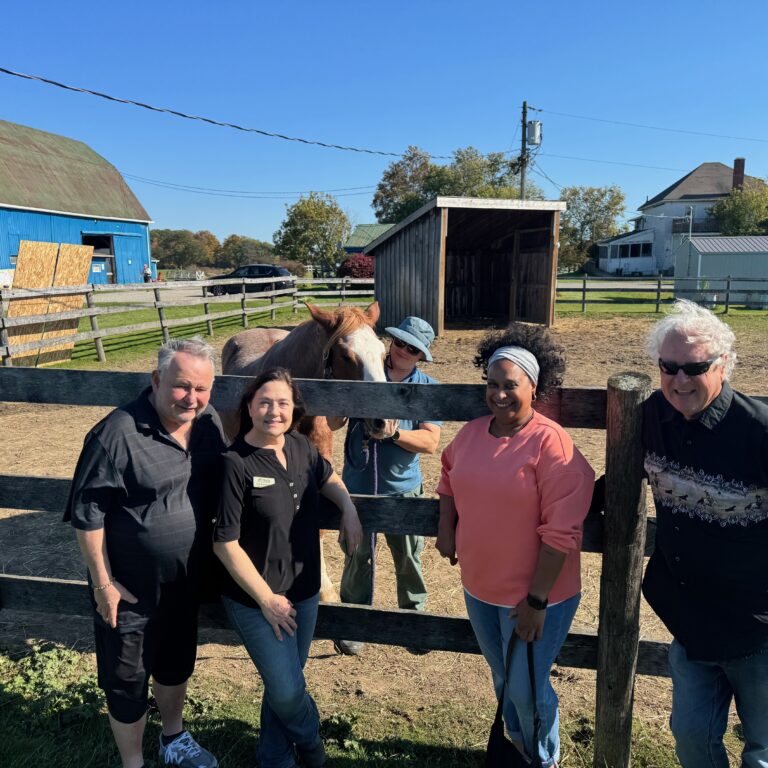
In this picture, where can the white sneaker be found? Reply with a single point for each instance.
(185, 752)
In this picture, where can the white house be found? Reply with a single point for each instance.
(667, 219)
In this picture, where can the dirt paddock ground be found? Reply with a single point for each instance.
(45, 440)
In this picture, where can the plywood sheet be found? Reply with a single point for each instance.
(72, 268)
(35, 267)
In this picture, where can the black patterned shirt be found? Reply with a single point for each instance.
(707, 579)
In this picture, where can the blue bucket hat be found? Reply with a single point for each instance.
(415, 331)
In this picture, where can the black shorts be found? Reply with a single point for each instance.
(164, 646)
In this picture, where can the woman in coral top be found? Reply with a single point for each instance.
(514, 492)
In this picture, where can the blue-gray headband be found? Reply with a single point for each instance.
(522, 358)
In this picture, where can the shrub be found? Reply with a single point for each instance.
(357, 265)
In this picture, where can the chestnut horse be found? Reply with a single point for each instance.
(335, 344)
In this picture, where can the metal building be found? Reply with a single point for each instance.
(469, 260)
(55, 189)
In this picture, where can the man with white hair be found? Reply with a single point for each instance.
(706, 456)
(140, 501)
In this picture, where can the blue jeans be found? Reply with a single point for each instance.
(288, 713)
(701, 696)
(493, 627)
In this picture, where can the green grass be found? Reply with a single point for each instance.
(52, 716)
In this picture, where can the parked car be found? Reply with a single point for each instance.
(252, 270)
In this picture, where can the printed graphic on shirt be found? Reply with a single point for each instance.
(263, 482)
(711, 498)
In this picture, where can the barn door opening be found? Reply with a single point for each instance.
(104, 254)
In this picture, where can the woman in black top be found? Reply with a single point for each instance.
(266, 534)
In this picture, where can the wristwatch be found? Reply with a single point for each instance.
(395, 435)
(537, 603)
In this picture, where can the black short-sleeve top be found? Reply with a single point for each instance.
(273, 513)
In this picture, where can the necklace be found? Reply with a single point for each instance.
(512, 431)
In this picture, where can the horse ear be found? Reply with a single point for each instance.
(373, 311)
(323, 317)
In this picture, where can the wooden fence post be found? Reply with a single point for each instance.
(622, 570)
(95, 327)
(207, 310)
(658, 292)
(272, 314)
(5, 339)
(161, 315)
(342, 289)
(244, 306)
(727, 294)
(584, 296)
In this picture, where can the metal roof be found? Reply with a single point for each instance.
(724, 244)
(46, 172)
(708, 181)
(364, 234)
(478, 203)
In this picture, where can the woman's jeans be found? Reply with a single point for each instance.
(493, 628)
(701, 696)
(288, 713)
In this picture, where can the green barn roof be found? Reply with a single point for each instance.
(47, 172)
(364, 234)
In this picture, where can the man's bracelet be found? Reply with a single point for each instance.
(102, 587)
(537, 603)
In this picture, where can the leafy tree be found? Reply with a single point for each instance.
(409, 183)
(744, 211)
(211, 243)
(592, 215)
(237, 250)
(357, 265)
(312, 231)
(177, 248)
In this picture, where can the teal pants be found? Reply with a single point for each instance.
(406, 553)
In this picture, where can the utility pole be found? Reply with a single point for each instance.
(523, 150)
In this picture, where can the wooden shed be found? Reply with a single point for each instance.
(470, 261)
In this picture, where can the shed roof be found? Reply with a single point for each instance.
(46, 172)
(708, 181)
(364, 234)
(478, 203)
(724, 244)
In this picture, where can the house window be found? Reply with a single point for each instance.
(624, 251)
(636, 250)
(648, 249)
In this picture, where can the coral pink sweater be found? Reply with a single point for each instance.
(512, 494)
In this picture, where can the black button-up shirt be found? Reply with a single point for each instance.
(708, 577)
(152, 497)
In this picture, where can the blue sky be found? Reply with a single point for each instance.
(440, 75)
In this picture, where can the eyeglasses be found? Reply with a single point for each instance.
(400, 344)
(689, 369)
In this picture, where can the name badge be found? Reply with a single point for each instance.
(263, 482)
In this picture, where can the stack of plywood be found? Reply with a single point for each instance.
(41, 266)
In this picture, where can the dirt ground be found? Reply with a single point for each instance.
(45, 440)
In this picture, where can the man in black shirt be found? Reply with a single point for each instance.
(706, 456)
(139, 502)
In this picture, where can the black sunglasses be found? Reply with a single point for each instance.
(399, 343)
(689, 369)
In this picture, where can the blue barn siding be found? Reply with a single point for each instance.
(131, 239)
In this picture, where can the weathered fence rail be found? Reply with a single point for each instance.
(622, 532)
(348, 291)
(713, 292)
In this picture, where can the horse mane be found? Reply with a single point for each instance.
(347, 320)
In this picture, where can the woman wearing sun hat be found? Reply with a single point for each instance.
(391, 467)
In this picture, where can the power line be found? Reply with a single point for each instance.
(615, 162)
(209, 120)
(652, 127)
(536, 168)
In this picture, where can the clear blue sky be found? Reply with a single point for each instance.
(440, 75)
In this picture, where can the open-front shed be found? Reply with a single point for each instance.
(469, 260)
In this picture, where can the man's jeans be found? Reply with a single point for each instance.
(493, 628)
(288, 713)
(701, 696)
(406, 554)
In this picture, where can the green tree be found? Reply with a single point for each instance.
(312, 232)
(744, 211)
(593, 213)
(177, 248)
(409, 183)
(211, 243)
(237, 250)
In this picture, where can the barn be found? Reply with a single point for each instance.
(55, 189)
(460, 261)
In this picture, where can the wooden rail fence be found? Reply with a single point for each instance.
(350, 291)
(622, 533)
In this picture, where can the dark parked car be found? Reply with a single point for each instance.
(252, 270)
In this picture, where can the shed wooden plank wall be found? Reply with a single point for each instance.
(408, 272)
